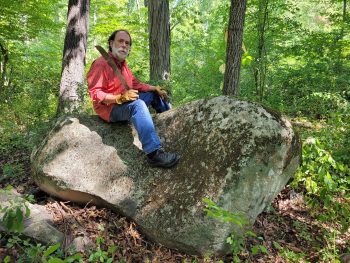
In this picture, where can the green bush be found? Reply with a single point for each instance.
(14, 212)
(326, 181)
(322, 104)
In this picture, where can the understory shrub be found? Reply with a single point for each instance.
(326, 181)
(322, 104)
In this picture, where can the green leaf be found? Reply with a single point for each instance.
(19, 226)
(55, 260)
(208, 201)
(75, 257)
(9, 219)
(328, 180)
(263, 249)
(51, 249)
(277, 245)
(251, 233)
(311, 185)
(341, 167)
(112, 249)
(9, 187)
(7, 259)
(229, 240)
(255, 250)
(27, 214)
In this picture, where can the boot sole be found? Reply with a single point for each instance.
(168, 165)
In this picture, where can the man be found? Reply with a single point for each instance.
(113, 102)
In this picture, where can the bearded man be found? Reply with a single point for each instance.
(114, 103)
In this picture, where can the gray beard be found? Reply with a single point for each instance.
(118, 55)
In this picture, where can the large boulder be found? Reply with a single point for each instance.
(236, 153)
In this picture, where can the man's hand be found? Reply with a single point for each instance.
(162, 93)
(128, 95)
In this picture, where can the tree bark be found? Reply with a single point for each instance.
(260, 62)
(159, 39)
(73, 62)
(4, 59)
(234, 47)
(95, 20)
(338, 67)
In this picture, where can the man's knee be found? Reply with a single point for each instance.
(139, 105)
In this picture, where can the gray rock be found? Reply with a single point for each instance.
(39, 224)
(238, 154)
(44, 233)
(81, 244)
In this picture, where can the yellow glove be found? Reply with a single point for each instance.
(162, 93)
(128, 95)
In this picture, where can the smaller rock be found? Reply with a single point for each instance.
(345, 258)
(44, 233)
(81, 244)
(38, 225)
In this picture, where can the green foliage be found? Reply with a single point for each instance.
(327, 182)
(322, 104)
(100, 255)
(198, 49)
(217, 212)
(237, 240)
(37, 253)
(306, 59)
(11, 171)
(292, 256)
(14, 211)
(29, 78)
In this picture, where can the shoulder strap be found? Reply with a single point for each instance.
(112, 64)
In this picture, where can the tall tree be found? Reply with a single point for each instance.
(4, 59)
(338, 41)
(260, 60)
(234, 47)
(74, 51)
(159, 39)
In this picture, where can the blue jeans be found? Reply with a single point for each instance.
(138, 113)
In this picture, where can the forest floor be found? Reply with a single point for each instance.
(288, 228)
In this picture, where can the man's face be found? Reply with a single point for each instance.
(121, 45)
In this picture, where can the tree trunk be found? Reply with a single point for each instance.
(234, 47)
(73, 63)
(338, 67)
(260, 62)
(159, 39)
(4, 59)
(95, 19)
(130, 6)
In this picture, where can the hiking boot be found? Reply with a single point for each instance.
(163, 159)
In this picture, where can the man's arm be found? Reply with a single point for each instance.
(146, 87)
(97, 81)
(109, 98)
(143, 87)
(128, 95)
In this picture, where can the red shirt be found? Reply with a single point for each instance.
(102, 81)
